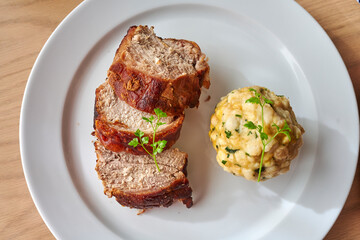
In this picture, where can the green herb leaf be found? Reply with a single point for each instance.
(287, 134)
(228, 133)
(252, 90)
(237, 130)
(146, 119)
(286, 127)
(253, 100)
(229, 150)
(139, 133)
(134, 142)
(159, 146)
(250, 125)
(145, 140)
(159, 113)
(238, 115)
(223, 162)
(149, 120)
(228, 155)
(237, 164)
(247, 154)
(159, 123)
(162, 143)
(268, 101)
(277, 127)
(158, 150)
(263, 136)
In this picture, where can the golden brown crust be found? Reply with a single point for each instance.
(179, 190)
(117, 141)
(145, 92)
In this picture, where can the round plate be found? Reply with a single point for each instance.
(275, 44)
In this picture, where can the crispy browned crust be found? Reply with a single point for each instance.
(178, 190)
(118, 140)
(145, 92)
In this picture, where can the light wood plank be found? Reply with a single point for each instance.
(25, 25)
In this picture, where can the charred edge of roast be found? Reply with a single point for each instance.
(117, 141)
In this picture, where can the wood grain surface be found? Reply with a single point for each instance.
(25, 25)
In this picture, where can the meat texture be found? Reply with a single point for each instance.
(136, 183)
(150, 72)
(115, 123)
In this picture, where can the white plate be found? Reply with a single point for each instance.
(271, 43)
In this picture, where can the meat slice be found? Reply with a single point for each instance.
(150, 72)
(136, 183)
(115, 123)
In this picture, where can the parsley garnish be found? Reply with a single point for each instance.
(238, 115)
(229, 150)
(224, 162)
(228, 133)
(261, 100)
(158, 146)
(247, 154)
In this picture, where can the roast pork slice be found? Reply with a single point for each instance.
(150, 72)
(115, 123)
(135, 181)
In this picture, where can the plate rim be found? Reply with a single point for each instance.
(31, 79)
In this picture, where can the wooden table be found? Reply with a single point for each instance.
(25, 25)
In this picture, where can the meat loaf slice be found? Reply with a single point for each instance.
(135, 182)
(150, 72)
(115, 123)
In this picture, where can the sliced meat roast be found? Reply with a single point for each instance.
(136, 183)
(150, 72)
